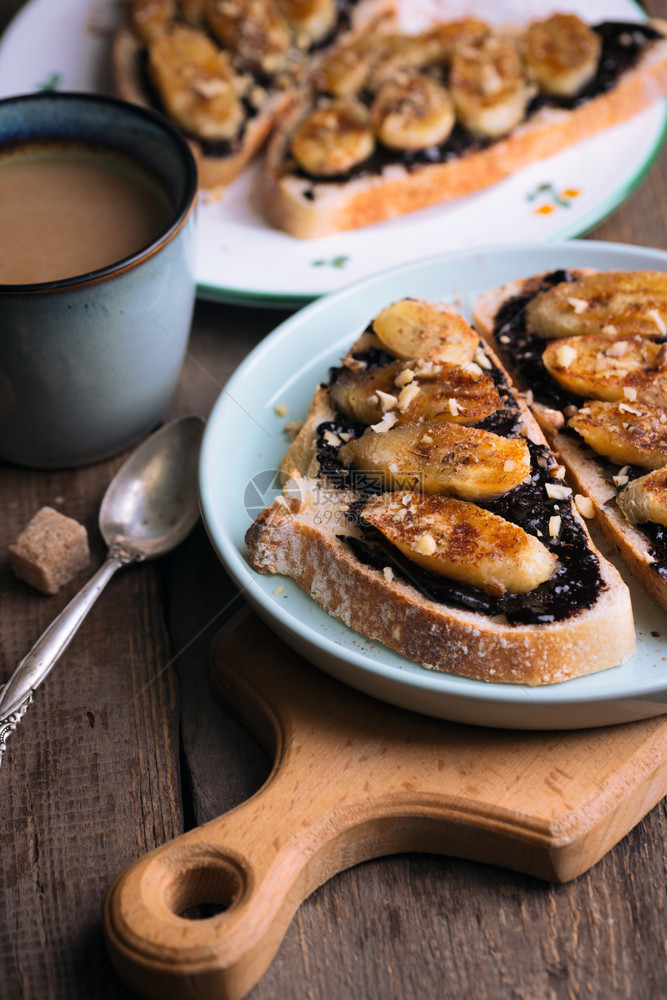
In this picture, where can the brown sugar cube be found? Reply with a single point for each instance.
(50, 550)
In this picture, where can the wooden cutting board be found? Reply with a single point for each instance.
(354, 779)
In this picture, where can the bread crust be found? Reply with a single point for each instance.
(299, 535)
(309, 210)
(585, 470)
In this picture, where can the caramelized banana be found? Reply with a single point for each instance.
(413, 328)
(196, 83)
(645, 499)
(461, 541)
(561, 53)
(345, 70)
(311, 20)
(612, 302)
(254, 30)
(456, 396)
(433, 46)
(441, 458)
(606, 367)
(412, 112)
(488, 86)
(333, 138)
(152, 18)
(627, 433)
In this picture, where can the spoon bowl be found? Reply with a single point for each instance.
(149, 507)
(151, 504)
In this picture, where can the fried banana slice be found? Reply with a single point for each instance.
(613, 368)
(412, 112)
(457, 395)
(432, 47)
(645, 499)
(627, 433)
(333, 138)
(461, 541)
(345, 70)
(311, 20)
(197, 83)
(613, 302)
(413, 328)
(488, 86)
(254, 30)
(561, 53)
(467, 462)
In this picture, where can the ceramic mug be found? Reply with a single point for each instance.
(88, 364)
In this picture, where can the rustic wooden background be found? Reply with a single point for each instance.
(125, 747)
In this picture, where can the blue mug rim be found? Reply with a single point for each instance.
(181, 212)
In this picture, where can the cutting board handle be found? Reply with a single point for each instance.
(355, 779)
(255, 864)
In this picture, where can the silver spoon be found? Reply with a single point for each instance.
(150, 506)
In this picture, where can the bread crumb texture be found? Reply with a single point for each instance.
(50, 551)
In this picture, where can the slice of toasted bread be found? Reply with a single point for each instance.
(314, 533)
(219, 163)
(591, 474)
(309, 207)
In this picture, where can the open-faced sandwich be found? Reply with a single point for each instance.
(423, 507)
(225, 70)
(590, 348)
(397, 123)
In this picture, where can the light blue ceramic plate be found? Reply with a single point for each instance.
(242, 259)
(245, 440)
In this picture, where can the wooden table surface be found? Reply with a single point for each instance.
(125, 747)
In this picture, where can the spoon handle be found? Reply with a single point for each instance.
(17, 693)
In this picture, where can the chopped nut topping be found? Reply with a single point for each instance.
(557, 472)
(584, 505)
(454, 407)
(406, 395)
(565, 355)
(504, 339)
(624, 408)
(278, 591)
(509, 465)
(630, 393)
(388, 573)
(658, 320)
(482, 360)
(622, 478)
(332, 439)
(579, 305)
(388, 420)
(557, 492)
(611, 330)
(281, 409)
(387, 401)
(554, 526)
(404, 377)
(618, 349)
(425, 545)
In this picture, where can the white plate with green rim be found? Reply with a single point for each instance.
(245, 441)
(243, 260)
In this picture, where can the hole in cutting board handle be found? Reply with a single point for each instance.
(200, 884)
